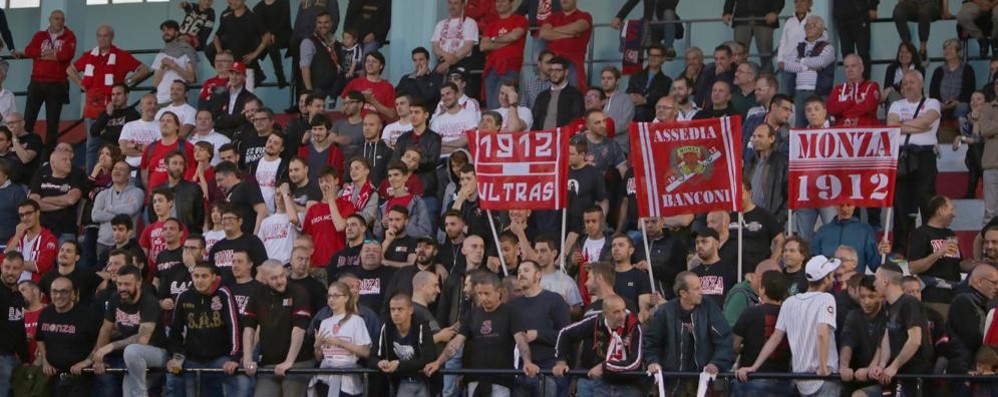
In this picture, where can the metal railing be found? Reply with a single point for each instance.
(920, 379)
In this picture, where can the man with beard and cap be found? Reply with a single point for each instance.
(544, 314)
(425, 260)
(716, 274)
(13, 337)
(177, 61)
(132, 335)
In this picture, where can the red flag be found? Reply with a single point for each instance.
(855, 165)
(521, 170)
(687, 167)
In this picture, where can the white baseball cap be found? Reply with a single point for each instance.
(820, 267)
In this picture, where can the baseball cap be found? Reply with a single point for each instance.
(239, 67)
(459, 71)
(820, 266)
(706, 232)
(428, 240)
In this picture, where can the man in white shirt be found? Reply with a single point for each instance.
(7, 105)
(270, 168)
(454, 38)
(403, 124)
(454, 121)
(204, 130)
(682, 90)
(138, 134)
(459, 76)
(509, 98)
(177, 61)
(808, 321)
(793, 33)
(918, 117)
(179, 106)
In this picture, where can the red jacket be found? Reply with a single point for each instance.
(43, 251)
(49, 71)
(855, 104)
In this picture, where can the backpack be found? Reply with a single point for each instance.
(29, 381)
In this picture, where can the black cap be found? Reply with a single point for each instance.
(459, 71)
(706, 232)
(428, 240)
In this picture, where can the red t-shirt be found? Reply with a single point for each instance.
(573, 48)
(100, 73)
(153, 242)
(31, 329)
(382, 91)
(155, 162)
(510, 57)
(319, 225)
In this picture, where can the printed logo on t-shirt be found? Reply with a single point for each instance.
(288, 302)
(223, 258)
(573, 186)
(58, 328)
(370, 286)
(15, 314)
(940, 245)
(749, 226)
(712, 285)
(126, 319)
(632, 186)
(241, 302)
(403, 352)
(216, 303)
(486, 327)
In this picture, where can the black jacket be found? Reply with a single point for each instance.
(369, 16)
(13, 338)
(967, 334)
(413, 367)
(651, 7)
(660, 86)
(228, 123)
(711, 333)
(379, 155)
(753, 9)
(571, 106)
(425, 88)
(429, 146)
(188, 201)
(594, 336)
(967, 85)
(853, 9)
(205, 327)
(776, 185)
(108, 128)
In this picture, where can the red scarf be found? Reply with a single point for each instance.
(362, 197)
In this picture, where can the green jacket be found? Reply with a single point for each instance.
(741, 297)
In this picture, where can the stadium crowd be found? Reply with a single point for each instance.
(186, 235)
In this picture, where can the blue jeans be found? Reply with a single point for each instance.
(89, 158)
(586, 387)
(240, 386)
(763, 388)
(492, 82)
(805, 219)
(109, 384)
(550, 385)
(211, 383)
(451, 388)
(787, 83)
(7, 364)
(665, 32)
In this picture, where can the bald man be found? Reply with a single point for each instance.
(971, 308)
(854, 103)
(746, 293)
(665, 110)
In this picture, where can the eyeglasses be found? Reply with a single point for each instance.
(25, 214)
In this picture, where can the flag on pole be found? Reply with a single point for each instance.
(521, 170)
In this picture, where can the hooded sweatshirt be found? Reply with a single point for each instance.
(205, 327)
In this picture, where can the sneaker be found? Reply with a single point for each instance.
(670, 54)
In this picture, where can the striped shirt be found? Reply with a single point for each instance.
(799, 318)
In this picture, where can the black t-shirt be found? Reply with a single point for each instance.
(630, 193)
(277, 314)
(316, 291)
(241, 293)
(241, 35)
(630, 285)
(586, 188)
(244, 196)
(903, 314)
(128, 316)
(796, 281)
(400, 248)
(450, 256)
(761, 228)
(303, 194)
(69, 337)
(863, 336)
(717, 279)
(688, 355)
(490, 342)
(85, 281)
(548, 314)
(168, 259)
(251, 147)
(61, 221)
(174, 281)
(755, 326)
(221, 253)
(924, 241)
(340, 261)
(33, 142)
(373, 285)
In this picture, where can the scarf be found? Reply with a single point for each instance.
(359, 199)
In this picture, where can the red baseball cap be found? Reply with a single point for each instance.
(239, 67)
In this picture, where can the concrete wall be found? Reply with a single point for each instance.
(136, 26)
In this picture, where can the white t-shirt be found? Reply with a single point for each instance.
(392, 132)
(591, 249)
(561, 284)
(452, 33)
(210, 238)
(7, 104)
(525, 114)
(169, 75)
(266, 177)
(140, 132)
(353, 331)
(799, 318)
(451, 126)
(278, 236)
(216, 139)
(185, 112)
(906, 111)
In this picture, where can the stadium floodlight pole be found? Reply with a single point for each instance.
(644, 237)
(564, 231)
(495, 237)
(887, 231)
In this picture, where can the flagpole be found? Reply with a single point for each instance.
(651, 273)
(887, 231)
(741, 225)
(495, 236)
(564, 229)
(790, 222)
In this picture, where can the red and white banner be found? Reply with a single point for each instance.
(687, 167)
(521, 170)
(843, 165)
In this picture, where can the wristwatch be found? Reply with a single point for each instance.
(492, 39)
